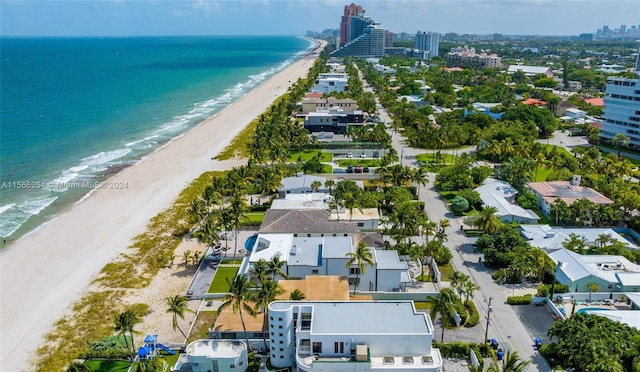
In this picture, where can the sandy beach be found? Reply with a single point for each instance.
(44, 272)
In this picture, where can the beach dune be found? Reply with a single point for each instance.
(43, 273)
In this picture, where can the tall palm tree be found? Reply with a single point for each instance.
(125, 322)
(237, 210)
(260, 271)
(315, 185)
(486, 220)
(330, 184)
(268, 292)
(361, 257)
(177, 306)
(275, 265)
(457, 279)
(238, 297)
(510, 363)
(620, 140)
(443, 224)
(443, 305)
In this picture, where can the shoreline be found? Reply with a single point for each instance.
(44, 272)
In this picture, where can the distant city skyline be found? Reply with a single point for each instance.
(295, 17)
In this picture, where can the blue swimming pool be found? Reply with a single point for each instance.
(592, 309)
(248, 245)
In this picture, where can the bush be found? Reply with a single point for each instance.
(472, 197)
(520, 300)
(459, 204)
(545, 289)
(474, 317)
(458, 349)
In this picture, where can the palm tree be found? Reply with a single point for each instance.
(361, 257)
(196, 257)
(238, 297)
(443, 224)
(457, 279)
(124, 322)
(268, 292)
(297, 295)
(315, 185)
(620, 140)
(487, 220)
(510, 363)
(237, 210)
(177, 306)
(275, 265)
(186, 255)
(329, 184)
(260, 271)
(443, 305)
(468, 287)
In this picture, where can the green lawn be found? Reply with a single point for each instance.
(326, 168)
(104, 365)
(445, 272)
(541, 174)
(306, 155)
(432, 159)
(219, 284)
(255, 217)
(422, 305)
(362, 162)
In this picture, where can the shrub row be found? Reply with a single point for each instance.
(474, 317)
(545, 289)
(520, 300)
(458, 349)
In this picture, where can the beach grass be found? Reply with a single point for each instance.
(219, 283)
(239, 146)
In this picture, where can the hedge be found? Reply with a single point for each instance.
(474, 317)
(520, 300)
(545, 289)
(458, 349)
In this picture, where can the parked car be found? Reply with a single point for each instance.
(339, 170)
(363, 155)
(376, 154)
(350, 169)
(349, 155)
(365, 169)
(359, 169)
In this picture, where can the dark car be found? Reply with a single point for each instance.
(376, 154)
(359, 169)
(350, 169)
(365, 169)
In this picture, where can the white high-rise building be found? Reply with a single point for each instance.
(622, 109)
(428, 41)
(351, 336)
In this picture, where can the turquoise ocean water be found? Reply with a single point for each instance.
(74, 111)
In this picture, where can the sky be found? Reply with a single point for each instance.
(295, 17)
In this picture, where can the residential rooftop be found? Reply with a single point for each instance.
(548, 237)
(567, 192)
(304, 222)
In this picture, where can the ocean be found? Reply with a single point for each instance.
(74, 111)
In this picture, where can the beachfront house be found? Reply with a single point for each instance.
(335, 120)
(501, 195)
(331, 82)
(217, 355)
(313, 104)
(301, 184)
(351, 336)
(304, 256)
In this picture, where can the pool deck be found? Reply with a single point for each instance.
(596, 304)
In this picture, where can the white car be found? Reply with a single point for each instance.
(349, 155)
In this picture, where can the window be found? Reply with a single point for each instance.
(295, 235)
(335, 234)
(280, 327)
(280, 334)
(314, 271)
(354, 271)
(281, 356)
(360, 224)
(281, 349)
(280, 319)
(281, 342)
(308, 235)
(232, 366)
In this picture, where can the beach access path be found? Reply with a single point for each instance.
(43, 273)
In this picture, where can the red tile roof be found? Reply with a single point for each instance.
(533, 101)
(563, 190)
(595, 101)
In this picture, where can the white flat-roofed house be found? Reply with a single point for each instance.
(575, 113)
(331, 82)
(311, 201)
(351, 336)
(365, 219)
(501, 195)
(313, 104)
(305, 256)
(217, 355)
(531, 70)
(576, 271)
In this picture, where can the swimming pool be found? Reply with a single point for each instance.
(592, 309)
(248, 245)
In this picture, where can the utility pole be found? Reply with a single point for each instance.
(486, 331)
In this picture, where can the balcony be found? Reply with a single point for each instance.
(431, 362)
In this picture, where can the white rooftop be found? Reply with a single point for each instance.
(547, 237)
(576, 266)
(300, 181)
(528, 69)
(388, 260)
(270, 245)
(303, 201)
(494, 193)
(629, 317)
(216, 348)
(363, 317)
(629, 279)
(306, 252)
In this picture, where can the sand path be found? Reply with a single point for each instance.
(44, 272)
